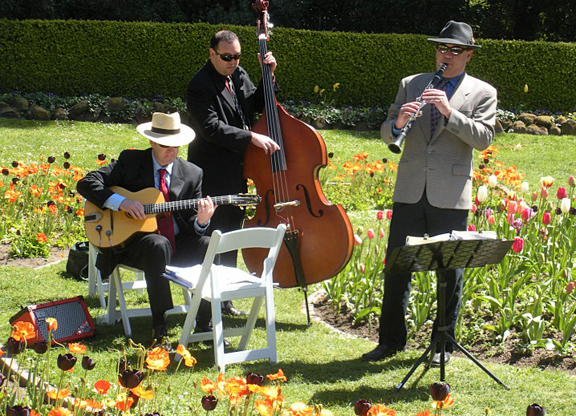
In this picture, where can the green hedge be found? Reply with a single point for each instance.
(155, 59)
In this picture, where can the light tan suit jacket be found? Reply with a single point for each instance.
(442, 164)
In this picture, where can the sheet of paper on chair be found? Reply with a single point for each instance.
(184, 276)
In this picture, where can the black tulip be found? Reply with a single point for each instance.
(253, 378)
(486, 161)
(209, 402)
(535, 410)
(17, 411)
(66, 165)
(123, 365)
(330, 155)
(384, 160)
(5, 172)
(480, 167)
(152, 414)
(101, 156)
(51, 159)
(88, 363)
(572, 211)
(14, 164)
(66, 361)
(66, 155)
(14, 347)
(439, 391)
(558, 211)
(69, 210)
(40, 346)
(15, 180)
(361, 407)
(61, 185)
(534, 208)
(130, 379)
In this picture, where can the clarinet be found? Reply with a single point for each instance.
(396, 145)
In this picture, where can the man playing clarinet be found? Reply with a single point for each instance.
(433, 190)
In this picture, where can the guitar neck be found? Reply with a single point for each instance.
(185, 204)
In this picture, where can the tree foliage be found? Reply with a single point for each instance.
(496, 19)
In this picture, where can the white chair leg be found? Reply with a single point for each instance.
(218, 335)
(250, 322)
(190, 321)
(271, 324)
(117, 282)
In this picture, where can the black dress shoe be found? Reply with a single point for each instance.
(160, 332)
(437, 356)
(232, 311)
(380, 352)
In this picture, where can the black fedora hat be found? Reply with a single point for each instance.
(456, 33)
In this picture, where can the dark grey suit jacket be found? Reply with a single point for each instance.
(442, 164)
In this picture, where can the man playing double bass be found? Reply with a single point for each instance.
(222, 102)
(433, 190)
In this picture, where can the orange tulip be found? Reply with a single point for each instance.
(380, 410)
(76, 348)
(52, 324)
(278, 376)
(207, 385)
(60, 411)
(102, 386)
(447, 402)
(23, 330)
(157, 359)
(143, 394)
(299, 409)
(264, 407)
(58, 394)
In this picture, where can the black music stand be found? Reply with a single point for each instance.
(441, 256)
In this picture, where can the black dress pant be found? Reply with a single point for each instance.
(151, 253)
(416, 220)
(227, 218)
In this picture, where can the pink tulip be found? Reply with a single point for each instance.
(491, 219)
(474, 208)
(546, 218)
(381, 233)
(570, 287)
(571, 181)
(389, 214)
(512, 206)
(471, 227)
(510, 218)
(357, 240)
(370, 234)
(527, 214)
(544, 193)
(561, 194)
(380, 215)
(534, 196)
(518, 245)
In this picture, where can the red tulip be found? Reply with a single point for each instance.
(370, 233)
(380, 215)
(544, 193)
(561, 193)
(518, 245)
(389, 214)
(471, 227)
(546, 218)
(361, 407)
(570, 287)
(571, 181)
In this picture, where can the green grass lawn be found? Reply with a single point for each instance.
(322, 366)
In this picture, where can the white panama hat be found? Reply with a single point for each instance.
(166, 129)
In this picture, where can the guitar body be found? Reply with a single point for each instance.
(107, 228)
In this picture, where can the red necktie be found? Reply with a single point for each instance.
(165, 224)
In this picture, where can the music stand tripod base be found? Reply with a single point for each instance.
(442, 256)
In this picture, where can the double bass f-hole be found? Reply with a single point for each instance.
(308, 202)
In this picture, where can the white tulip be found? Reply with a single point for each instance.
(524, 187)
(492, 181)
(482, 194)
(565, 205)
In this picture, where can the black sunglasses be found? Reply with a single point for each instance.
(226, 57)
(454, 50)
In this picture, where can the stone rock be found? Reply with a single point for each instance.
(20, 103)
(161, 108)
(537, 130)
(555, 130)
(7, 111)
(527, 118)
(569, 127)
(506, 124)
(89, 116)
(116, 104)
(498, 127)
(362, 126)
(519, 127)
(59, 114)
(545, 121)
(78, 109)
(561, 119)
(37, 112)
(319, 123)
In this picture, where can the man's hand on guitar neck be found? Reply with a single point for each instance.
(134, 208)
(205, 210)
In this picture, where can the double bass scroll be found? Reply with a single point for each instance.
(319, 239)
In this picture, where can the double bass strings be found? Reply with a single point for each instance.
(278, 159)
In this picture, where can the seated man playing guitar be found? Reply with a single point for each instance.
(181, 240)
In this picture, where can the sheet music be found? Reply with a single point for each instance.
(453, 236)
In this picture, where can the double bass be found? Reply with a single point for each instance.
(319, 238)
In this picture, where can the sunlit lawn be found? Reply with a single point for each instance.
(323, 367)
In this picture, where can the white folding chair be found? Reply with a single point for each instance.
(217, 284)
(116, 287)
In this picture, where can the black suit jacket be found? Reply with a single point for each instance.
(134, 171)
(221, 141)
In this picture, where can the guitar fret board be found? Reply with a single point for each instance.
(185, 204)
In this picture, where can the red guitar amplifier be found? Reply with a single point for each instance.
(74, 320)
